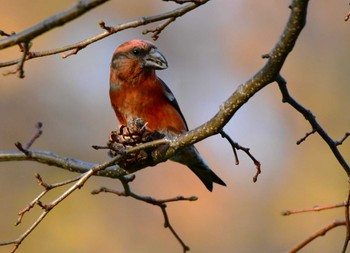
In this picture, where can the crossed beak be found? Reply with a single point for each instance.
(154, 59)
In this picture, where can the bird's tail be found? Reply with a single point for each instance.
(190, 157)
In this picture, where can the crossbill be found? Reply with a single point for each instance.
(137, 92)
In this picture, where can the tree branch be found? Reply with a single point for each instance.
(324, 230)
(316, 208)
(76, 165)
(47, 188)
(68, 15)
(50, 23)
(235, 146)
(48, 207)
(262, 78)
(333, 145)
(265, 76)
(150, 200)
(347, 221)
(317, 234)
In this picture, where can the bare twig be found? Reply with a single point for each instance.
(305, 137)
(347, 221)
(319, 233)
(2, 33)
(47, 188)
(48, 207)
(232, 143)
(39, 132)
(26, 147)
(22, 149)
(19, 69)
(161, 203)
(235, 146)
(156, 31)
(286, 98)
(104, 26)
(316, 208)
(340, 142)
(323, 231)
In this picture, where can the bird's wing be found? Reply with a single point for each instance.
(170, 96)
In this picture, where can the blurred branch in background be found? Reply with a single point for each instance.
(327, 228)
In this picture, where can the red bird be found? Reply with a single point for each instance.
(137, 92)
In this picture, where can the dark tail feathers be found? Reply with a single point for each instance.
(190, 157)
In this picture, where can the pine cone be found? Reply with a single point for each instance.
(131, 135)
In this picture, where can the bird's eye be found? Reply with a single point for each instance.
(136, 51)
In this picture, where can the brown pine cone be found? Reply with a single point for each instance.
(131, 135)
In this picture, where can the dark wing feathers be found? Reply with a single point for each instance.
(170, 96)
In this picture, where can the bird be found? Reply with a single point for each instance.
(137, 92)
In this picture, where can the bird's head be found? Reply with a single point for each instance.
(135, 57)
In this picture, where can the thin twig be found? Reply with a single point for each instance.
(24, 47)
(235, 146)
(103, 25)
(167, 224)
(340, 142)
(2, 33)
(47, 187)
(305, 137)
(316, 208)
(347, 221)
(50, 206)
(20, 147)
(232, 143)
(156, 31)
(150, 200)
(39, 131)
(25, 148)
(319, 233)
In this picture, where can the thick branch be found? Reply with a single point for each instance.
(76, 165)
(266, 75)
(262, 78)
(53, 159)
(50, 23)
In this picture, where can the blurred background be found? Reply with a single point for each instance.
(210, 52)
